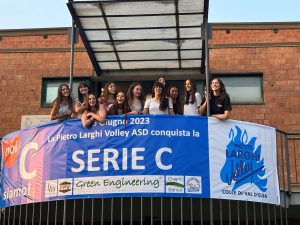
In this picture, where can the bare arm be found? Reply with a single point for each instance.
(224, 116)
(202, 108)
(146, 111)
(100, 116)
(85, 120)
(80, 107)
(170, 104)
(54, 115)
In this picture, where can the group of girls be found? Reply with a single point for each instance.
(160, 101)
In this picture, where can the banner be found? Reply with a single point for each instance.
(243, 161)
(136, 156)
(141, 155)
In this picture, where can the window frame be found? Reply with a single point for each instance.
(259, 75)
(61, 80)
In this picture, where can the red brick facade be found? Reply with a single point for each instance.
(273, 52)
(26, 56)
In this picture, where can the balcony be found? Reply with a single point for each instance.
(147, 206)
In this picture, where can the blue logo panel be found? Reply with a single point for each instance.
(243, 164)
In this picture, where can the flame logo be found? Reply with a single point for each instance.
(243, 163)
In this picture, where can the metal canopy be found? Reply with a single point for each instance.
(145, 34)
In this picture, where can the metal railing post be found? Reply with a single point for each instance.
(288, 172)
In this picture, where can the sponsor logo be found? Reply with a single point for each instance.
(10, 150)
(174, 184)
(51, 188)
(193, 185)
(64, 186)
(243, 164)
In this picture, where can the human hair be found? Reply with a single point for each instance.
(223, 92)
(106, 92)
(60, 97)
(130, 96)
(159, 78)
(178, 108)
(80, 96)
(124, 106)
(89, 108)
(189, 96)
(164, 102)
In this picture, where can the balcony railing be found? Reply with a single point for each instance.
(154, 210)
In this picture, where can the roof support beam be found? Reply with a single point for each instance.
(177, 32)
(84, 39)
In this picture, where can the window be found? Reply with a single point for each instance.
(50, 85)
(243, 88)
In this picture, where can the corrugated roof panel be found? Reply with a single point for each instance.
(148, 55)
(150, 64)
(137, 7)
(146, 45)
(133, 34)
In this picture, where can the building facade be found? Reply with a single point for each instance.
(269, 51)
(259, 62)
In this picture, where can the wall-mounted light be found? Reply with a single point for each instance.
(227, 31)
(45, 36)
(275, 31)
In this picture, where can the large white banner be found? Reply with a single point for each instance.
(243, 161)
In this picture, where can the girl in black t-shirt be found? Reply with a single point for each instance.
(220, 105)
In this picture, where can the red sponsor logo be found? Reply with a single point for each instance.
(10, 150)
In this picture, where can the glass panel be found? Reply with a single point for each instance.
(130, 8)
(97, 35)
(146, 45)
(187, 6)
(148, 55)
(105, 56)
(244, 89)
(190, 32)
(92, 23)
(87, 9)
(190, 20)
(141, 21)
(191, 54)
(109, 65)
(143, 34)
(51, 91)
(101, 46)
(191, 63)
(151, 64)
(191, 44)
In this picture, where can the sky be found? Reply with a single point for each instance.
(22, 14)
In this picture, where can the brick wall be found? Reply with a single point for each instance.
(26, 59)
(277, 56)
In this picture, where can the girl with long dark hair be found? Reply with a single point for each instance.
(173, 93)
(82, 101)
(135, 98)
(108, 97)
(160, 103)
(121, 106)
(94, 112)
(63, 104)
(192, 99)
(220, 105)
